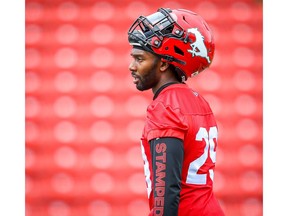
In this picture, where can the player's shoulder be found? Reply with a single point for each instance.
(178, 92)
(183, 97)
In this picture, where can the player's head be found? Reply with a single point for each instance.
(180, 37)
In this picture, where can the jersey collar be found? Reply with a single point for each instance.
(163, 87)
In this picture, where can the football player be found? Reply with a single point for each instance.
(179, 139)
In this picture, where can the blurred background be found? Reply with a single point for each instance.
(84, 117)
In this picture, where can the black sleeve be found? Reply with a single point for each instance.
(167, 158)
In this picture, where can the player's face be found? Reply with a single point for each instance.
(144, 68)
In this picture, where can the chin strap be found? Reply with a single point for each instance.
(172, 59)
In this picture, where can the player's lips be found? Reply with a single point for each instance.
(136, 78)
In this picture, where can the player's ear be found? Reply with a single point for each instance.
(164, 65)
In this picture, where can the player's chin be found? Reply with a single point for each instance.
(140, 87)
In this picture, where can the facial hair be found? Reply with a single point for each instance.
(149, 80)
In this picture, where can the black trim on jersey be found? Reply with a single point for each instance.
(163, 87)
(167, 160)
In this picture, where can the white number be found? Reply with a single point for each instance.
(193, 177)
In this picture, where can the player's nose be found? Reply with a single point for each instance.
(132, 66)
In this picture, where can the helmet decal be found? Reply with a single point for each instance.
(198, 47)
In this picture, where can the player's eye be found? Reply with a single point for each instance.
(139, 59)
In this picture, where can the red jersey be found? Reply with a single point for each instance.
(182, 113)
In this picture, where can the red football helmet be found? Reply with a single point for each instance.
(179, 36)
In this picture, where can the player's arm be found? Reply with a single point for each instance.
(167, 158)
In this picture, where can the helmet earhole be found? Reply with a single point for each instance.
(178, 51)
